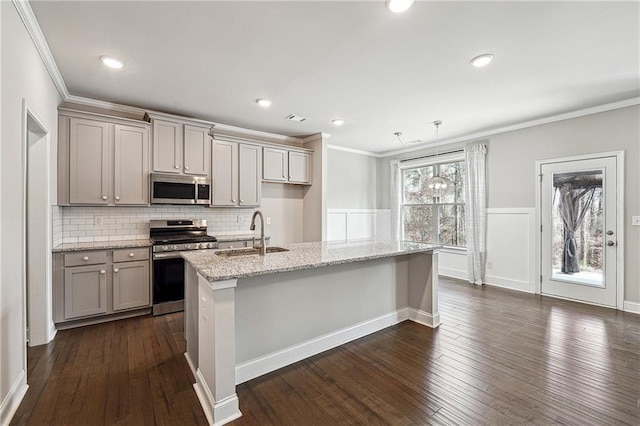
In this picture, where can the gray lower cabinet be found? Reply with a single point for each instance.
(85, 291)
(100, 285)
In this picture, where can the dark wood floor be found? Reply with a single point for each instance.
(499, 357)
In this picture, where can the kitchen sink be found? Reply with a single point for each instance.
(249, 251)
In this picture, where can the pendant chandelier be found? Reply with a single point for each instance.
(437, 186)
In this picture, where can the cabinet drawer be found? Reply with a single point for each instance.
(127, 255)
(85, 258)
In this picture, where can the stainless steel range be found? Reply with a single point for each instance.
(169, 238)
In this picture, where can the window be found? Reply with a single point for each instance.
(436, 220)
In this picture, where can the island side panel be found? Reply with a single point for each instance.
(191, 316)
(298, 312)
(423, 288)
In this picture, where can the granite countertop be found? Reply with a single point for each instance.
(299, 256)
(100, 245)
(235, 237)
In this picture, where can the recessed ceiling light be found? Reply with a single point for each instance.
(112, 62)
(337, 122)
(264, 103)
(482, 60)
(399, 6)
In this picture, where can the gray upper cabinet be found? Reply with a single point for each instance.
(236, 174)
(284, 165)
(89, 142)
(131, 165)
(102, 162)
(181, 148)
(167, 147)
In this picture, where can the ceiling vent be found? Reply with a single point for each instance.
(294, 117)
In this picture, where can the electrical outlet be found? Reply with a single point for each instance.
(97, 221)
(204, 308)
(489, 264)
(268, 221)
(635, 220)
(239, 218)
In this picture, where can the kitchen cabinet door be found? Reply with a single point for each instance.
(299, 167)
(225, 174)
(85, 291)
(275, 164)
(130, 285)
(131, 166)
(250, 170)
(197, 151)
(167, 147)
(89, 143)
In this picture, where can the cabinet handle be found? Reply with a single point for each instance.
(116, 270)
(242, 201)
(102, 272)
(176, 167)
(117, 198)
(131, 254)
(104, 197)
(85, 258)
(233, 200)
(186, 167)
(290, 176)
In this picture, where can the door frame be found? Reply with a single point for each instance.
(619, 155)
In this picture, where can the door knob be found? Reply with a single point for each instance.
(610, 243)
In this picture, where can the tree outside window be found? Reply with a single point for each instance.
(436, 220)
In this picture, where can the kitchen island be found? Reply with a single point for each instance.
(247, 315)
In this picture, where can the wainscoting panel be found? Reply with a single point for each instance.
(510, 248)
(358, 224)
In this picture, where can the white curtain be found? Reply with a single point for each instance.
(475, 210)
(396, 201)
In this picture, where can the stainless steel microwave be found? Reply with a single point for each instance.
(177, 189)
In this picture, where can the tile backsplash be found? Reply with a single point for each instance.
(90, 224)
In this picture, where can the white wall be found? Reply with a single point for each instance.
(283, 204)
(23, 76)
(511, 183)
(351, 180)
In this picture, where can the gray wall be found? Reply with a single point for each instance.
(23, 76)
(351, 180)
(511, 173)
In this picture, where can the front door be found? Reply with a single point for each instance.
(579, 230)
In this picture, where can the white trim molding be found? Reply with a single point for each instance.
(14, 397)
(633, 307)
(216, 412)
(352, 150)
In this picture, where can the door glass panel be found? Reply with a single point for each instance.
(577, 228)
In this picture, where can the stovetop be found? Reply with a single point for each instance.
(180, 234)
(182, 238)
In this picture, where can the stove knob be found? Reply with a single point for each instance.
(197, 246)
(188, 246)
(210, 245)
(174, 247)
(165, 248)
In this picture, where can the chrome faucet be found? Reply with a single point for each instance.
(263, 244)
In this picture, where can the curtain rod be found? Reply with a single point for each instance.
(455, 151)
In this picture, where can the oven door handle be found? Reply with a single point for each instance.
(171, 255)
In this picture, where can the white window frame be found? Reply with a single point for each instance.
(423, 162)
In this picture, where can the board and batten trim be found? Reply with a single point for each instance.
(12, 401)
(497, 279)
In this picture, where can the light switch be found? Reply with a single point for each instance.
(268, 221)
(204, 308)
(635, 220)
(239, 218)
(97, 220)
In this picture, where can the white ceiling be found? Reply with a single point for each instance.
(379, 71)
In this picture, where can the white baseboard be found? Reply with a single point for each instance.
(52, 332)
(510, 284)
(424, 318)
(258, 366)
(453, 273)
(191, 364)
(633, 307)
(12, 400)
(217, 413)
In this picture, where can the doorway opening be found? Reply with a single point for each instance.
(37, 241)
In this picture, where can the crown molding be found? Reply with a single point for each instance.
(353, 151)
(33, 28)
(526, 124)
